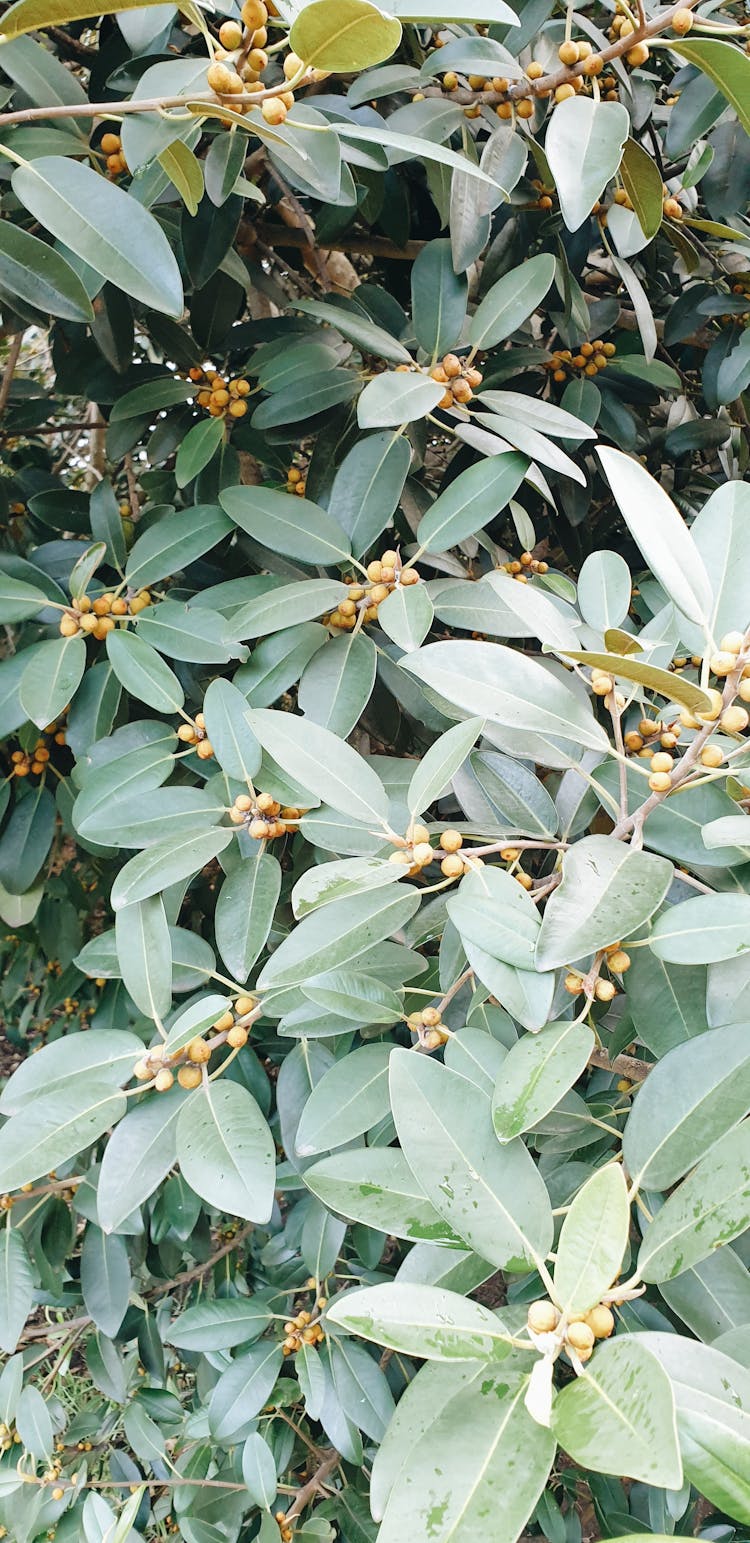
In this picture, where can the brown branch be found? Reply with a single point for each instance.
(566, 74)
(122, 1484)
(313, 1486)
(57, 428)
(97, 446)
(686, 765)
(135, 502)
(146, 105)
(358, 246)
(10, 369)
(185, 1278)
(625, 1065)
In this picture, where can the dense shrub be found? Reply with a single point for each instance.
(374, 859)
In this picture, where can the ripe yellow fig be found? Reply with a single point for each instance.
(601, 1320)
(542, 1317)
(580, 1336)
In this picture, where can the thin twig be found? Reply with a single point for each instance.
(10, 369)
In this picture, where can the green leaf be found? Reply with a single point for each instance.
(243, 1389)
(30, 15)
(51, 1129)
(439, 765)
(105, 1278)
(175, 542)
(584, 147)
(619, 1416)
(272, 612)
(99, 1055)
(152, 397)
(259, 1467)
(604, 590)
(153, 814)
(357, 328)
(220, 1325)
(144, 951)
(695, 1094)
(511, 301)
(137, 1157)
(538, 615)
(320, 761)
(143, 673)
(455, 1482)
(294, 526)
(349, 1099)
(492, 1196)
(336, 934)
(33, 1423)
(703, 930)
(720, 532)
(325, 882)
(41, 75)
(536, 1073)
(39, 275)
(245, 911)
(392, 398)
(51, 678)
(16, 1286)
(471, 500)
(106, 524)
(202, 441)
(642, 182)
(507, 687)
(226, 1151)
(194, 1020)
(26, 840)
(305, 398)
(423, 1321)
(375, 1186)
(607, 892)
(491, 911)
(344, 35)
(664, 682)
(336, 685)
(520, 799)
(355, 996)
(406, 615)
(185, 173)
(728, 67)
(104, 226)
(438, 299)
(84, 569)
(712, 1395)
(710, 1207)
(661, 533)
(593, 1240)
(368, 485)
(165, 863)
(235, 746)
(17, 598)
(409, 146)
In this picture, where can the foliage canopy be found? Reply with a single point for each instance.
(374, 843)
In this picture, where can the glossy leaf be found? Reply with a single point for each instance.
(593, 1240)
(536, 1073)
(102, 225)
(710, 1207)
(492, 1196)
(607, 892)
(620, 1412)
(225, 1150)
